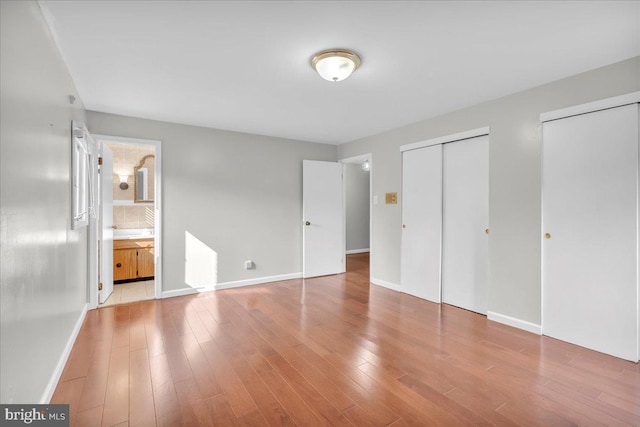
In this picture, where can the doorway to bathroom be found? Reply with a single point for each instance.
(129, 244)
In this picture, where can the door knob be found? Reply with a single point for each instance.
(118, 265)
(307, 223)
(486, 231)
(547, 235)
(404, 226)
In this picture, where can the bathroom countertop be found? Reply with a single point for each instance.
(133, 233)
(136, 237)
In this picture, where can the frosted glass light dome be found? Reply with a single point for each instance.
(335, 65)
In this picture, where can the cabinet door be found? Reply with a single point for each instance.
(422, 222)
(590, 212)
(124, 264)
(146, 265)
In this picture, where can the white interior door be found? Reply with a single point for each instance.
(421, 222)
(590, 210)
(465, 246)
(323, 228)
(94, 220)
(106, 221)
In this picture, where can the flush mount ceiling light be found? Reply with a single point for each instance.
(335, 64)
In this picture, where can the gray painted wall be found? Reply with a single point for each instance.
(515, 191)
(43, 275)
(357, 206)
(238, 194)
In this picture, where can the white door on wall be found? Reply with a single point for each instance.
(106, 221)
(421, 222)
(590, 221)
(323, 221)
(465, 246)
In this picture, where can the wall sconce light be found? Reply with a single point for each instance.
(366, 166)
(123, 182)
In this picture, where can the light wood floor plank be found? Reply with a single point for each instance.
(333, 350)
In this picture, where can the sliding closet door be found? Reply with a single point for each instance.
(590, 226)
(465, 246)
(422, 222)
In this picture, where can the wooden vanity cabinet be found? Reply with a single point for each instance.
(133, 259)
(146, 265)
(124, 263)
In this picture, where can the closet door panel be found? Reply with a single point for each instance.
(465, 247)
(422, 222)
(590, 212)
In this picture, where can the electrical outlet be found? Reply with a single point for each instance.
(249, 265)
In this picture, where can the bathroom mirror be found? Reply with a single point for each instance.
(143, 175)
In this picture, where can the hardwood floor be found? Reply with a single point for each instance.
(332, 351)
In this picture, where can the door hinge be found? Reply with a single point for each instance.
(100, 286)
(100, 161)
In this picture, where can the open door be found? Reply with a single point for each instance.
(106, 221)
(323, 221)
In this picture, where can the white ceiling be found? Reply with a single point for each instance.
(244, 66)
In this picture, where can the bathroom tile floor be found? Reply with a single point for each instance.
(130, 292)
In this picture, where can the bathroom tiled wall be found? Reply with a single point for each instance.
(133, 216)
(125, 158)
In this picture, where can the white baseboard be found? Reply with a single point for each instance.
(384, 284)
(257, 281)
(357, 251)
(228, 285)
(180, 292)
(57, 373)
(516, 323)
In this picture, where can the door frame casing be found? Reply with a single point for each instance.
(157, 144)
(356, 160)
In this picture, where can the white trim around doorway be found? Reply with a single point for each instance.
(157, 207)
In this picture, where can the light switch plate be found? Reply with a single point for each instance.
(391, 198)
